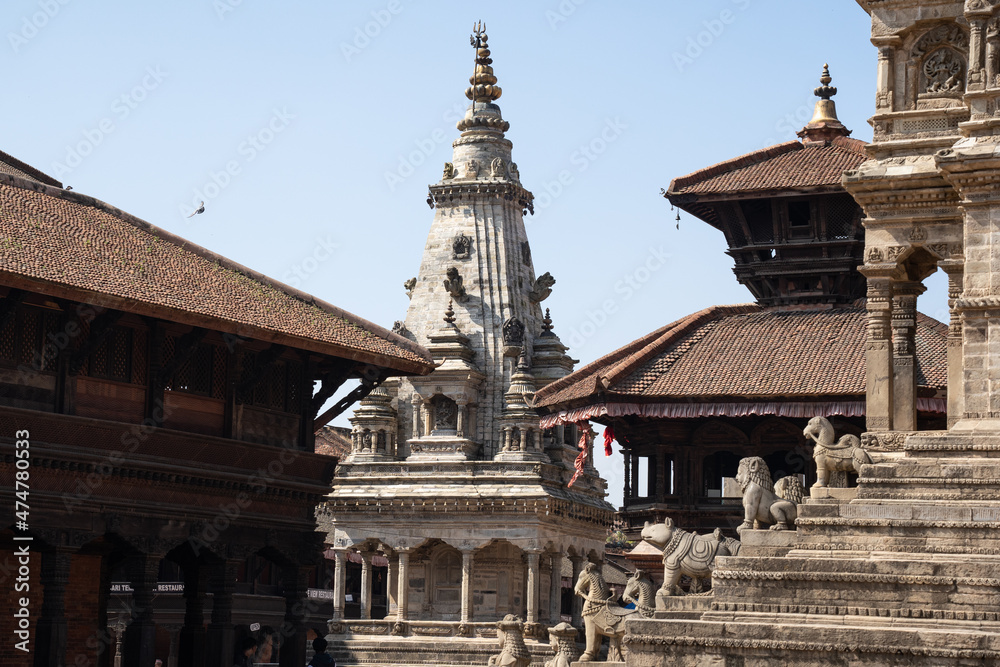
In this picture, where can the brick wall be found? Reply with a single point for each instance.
(82, 600)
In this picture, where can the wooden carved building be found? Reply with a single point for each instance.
(691, 399)
(158, 404)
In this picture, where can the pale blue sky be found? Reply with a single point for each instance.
(331, 118)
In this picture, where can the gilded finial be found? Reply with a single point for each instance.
(824, 125)
(547, 321)
(449, 314)
(826, 91)
(483, 88)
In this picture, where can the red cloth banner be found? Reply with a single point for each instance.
(609, 437)
(581, 458)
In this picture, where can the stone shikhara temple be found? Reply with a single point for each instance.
(450, 476)
(903, 569)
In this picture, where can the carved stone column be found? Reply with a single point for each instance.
(976, 53)
(885, 76)
(555, 589)
(460, 424)
(403, 596)
(878, 355)
(192, 636)
(417, 404)
(531, 594)
(219, 638)
(973, 171)
(391, 586)
(467, 556)
(904, 366)
(578, 564)
(427, 410)
(992, 38)
(50, 631)
(366, 584)
(339, 583)
(956, 391)
(293, 643)
(140, 635)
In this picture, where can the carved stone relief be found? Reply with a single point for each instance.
(461, 247)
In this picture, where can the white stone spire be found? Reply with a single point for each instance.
(477, 255)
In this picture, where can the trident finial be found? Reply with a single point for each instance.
(483, 88)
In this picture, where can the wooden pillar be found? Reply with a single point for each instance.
(219, 637)
(627, 455)
(191, 649)
(293, 643)
(140, 635)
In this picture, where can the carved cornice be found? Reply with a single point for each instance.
(446, 194)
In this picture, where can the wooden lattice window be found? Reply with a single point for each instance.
(196, 374)
(277, 388)
(112, 358)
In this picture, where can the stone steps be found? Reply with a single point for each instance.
(423, 651)
(765, 640)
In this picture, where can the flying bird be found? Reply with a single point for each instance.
(201, 209)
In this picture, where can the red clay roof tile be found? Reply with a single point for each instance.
(736, 352)
(69, 245)
(788, 165)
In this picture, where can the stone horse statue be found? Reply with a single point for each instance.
(760, 502)
(513, 652)
(602, 617)
(844, 455)
(687, 553)
(639, 591)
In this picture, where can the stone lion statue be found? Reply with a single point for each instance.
(513, 652)
(562, 638)
(844, 455)
(761, 505)
(687, 553)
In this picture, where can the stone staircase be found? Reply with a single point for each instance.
(903, 570)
